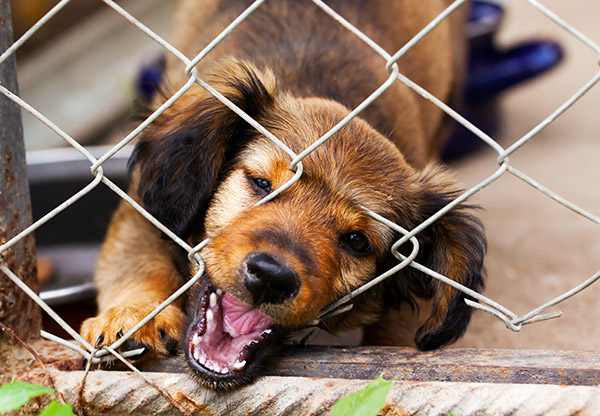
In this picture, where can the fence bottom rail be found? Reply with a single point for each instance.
(310, 380)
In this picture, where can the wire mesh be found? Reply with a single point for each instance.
(508, 317)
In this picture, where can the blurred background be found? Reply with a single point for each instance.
(87, 65)
(537, 248)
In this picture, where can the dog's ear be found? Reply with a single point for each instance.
(453, 246)
(181, 157)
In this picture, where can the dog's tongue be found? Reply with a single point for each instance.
(232, 331)
(241, 317)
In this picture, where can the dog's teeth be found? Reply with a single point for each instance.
(202, 360)
(209, 315)
(196, 339)
(213, 300)
(196, 355)
(224, 370)
(239, 365)
(232, 332)
(219, 292)
(266, 332)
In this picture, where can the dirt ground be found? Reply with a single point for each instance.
(537, 248)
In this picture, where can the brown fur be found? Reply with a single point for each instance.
(298, 75)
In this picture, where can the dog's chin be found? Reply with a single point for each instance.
(228, 342)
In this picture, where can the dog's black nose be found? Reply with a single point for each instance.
(268, 280)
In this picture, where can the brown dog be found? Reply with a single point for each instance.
(271, 268)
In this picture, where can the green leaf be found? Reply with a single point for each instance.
(366, 402)
(16, 394)
(57, 409)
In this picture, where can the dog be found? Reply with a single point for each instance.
(200, 169)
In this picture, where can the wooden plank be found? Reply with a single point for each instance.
(16, 309)
(579, 368)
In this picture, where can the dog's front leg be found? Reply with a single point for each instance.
(135, 273)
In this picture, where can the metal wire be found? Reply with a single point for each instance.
(510, 319)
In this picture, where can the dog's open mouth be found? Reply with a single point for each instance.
(226, 338)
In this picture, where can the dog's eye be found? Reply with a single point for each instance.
(261, 185)
(356, 243)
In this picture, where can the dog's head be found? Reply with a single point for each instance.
(271, 268)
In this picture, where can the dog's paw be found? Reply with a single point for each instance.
(160, 336)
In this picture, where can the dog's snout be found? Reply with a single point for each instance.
(269, 280)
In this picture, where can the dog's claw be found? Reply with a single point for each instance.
(171, 345)
(99, 340)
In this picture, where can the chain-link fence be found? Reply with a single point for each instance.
(388, 60)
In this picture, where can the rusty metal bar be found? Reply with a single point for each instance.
(126, 393)
(15, 205)
(308, 380)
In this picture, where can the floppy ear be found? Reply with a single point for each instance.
(453, 246)
(181, 157)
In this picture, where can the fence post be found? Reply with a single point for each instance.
(17, 310)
